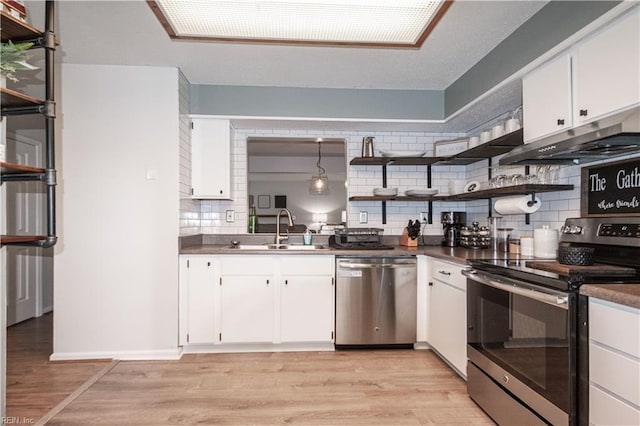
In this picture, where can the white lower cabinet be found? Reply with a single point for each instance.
(256, 299)
(306, 298)
(447, 325)
(614, 364)
(246, 309)
(306, 309)
(197, 299)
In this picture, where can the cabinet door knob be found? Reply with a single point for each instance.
(267, 282)
(561, 122)
(584, 112)
(221, 192)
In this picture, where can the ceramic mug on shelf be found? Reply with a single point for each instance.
(497, 131)
(511, 125)
(485, 136)
(456, 186)
(474, 141)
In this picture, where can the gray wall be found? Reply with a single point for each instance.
(313, 102)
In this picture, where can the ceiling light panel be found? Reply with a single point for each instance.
(399, 22)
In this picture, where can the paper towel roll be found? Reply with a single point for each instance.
(520, 204)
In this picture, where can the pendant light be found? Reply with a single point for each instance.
(319, 183)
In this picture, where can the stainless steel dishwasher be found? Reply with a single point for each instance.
(375, 301)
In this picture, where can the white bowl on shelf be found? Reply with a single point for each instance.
(385, 192)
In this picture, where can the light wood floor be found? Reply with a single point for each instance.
(35, 385)
(386, 387)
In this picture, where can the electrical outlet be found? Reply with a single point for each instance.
(364, 217)
(424, 217)
(231, 215)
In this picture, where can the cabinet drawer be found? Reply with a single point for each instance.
(615, 325)
(306, 265)
(614, 372)
(248, 265)
(449, 273)
(604, 409)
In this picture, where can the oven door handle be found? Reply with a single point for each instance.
(516, 287)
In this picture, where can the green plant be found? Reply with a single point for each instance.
(13, 57)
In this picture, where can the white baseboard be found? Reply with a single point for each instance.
(158, 355)
(47, 309)
(258, 347)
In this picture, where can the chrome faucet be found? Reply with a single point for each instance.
(281, 238)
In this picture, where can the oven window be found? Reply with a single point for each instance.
(526, 337)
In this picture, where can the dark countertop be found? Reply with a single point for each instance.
(624, 294)
(227, 249)
(222, 246)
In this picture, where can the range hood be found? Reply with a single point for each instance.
(615, 135)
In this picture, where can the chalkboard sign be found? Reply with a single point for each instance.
(611, 189)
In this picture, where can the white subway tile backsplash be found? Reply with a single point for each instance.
(207, 216)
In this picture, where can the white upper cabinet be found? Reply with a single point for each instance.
(597, 77)
(546, 99)
(607, 70)
(210, 158)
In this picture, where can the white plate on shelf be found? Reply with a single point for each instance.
(385, 192)
(402, 153)
(421, 192)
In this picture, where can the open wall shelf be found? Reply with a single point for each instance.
(16, 31)
(16, 103)
(485, 151)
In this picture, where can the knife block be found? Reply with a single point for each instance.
(406, 241)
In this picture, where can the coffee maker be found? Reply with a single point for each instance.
(451, 224)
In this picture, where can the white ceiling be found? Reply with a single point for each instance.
(128, 33)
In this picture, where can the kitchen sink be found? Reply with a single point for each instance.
(295, 247)
(273, 247)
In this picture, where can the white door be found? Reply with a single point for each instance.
(24, 205)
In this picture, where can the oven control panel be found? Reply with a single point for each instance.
(619, 230)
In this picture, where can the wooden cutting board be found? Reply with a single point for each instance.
(595, 270)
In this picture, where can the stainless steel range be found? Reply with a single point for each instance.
(526, 322)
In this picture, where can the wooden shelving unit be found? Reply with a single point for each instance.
(21, 239)
(16, 31)
(16, 103)
(396, 161)
(10, 169)
(12, 99)
(490, 149)
(475, 195)
(506, 191)
(485, 151)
